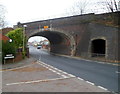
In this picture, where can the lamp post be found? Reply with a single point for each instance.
(24, 37)
(10, 40)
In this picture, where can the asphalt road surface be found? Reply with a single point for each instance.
(104, 75)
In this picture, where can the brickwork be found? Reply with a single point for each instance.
(76, 33)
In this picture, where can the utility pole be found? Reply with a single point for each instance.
(24, 26)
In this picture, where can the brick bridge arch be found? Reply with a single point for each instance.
(73, 35)
(60, 41)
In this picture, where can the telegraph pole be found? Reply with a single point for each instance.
(24, 37)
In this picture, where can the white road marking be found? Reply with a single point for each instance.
(60, 70)
(51, 66)
(64, 76)
(65, 72)
(80, 78)
(26, 82)
(50, 69)
(16, 68)
(101, 62)
(55, 68)
(47, 67)
(102, 87)
(71, 75)
(90, 83)
(53, 71)
(43, 65)
(58, 73)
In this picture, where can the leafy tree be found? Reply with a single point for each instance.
(17, 37)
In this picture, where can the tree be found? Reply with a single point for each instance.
(17, 37)
(79, 7)
(2, 16)
(109, 5)
(112, 7)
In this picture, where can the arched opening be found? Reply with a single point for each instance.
(98, 48)
(59, 42)
(39, 42)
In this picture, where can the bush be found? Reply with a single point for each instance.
(7, 48)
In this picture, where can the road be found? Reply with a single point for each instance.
(104, 75)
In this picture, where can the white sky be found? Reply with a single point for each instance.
(33, 10)
(29, 10)
(36, 38)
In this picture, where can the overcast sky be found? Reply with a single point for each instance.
(36, 38)
(32, 10)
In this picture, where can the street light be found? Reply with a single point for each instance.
(10, 40)
(24, 37)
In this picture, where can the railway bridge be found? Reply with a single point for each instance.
(80, 35)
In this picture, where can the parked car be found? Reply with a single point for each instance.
(39, 47)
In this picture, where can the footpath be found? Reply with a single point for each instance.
(31, 75)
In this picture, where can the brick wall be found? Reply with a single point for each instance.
(83, 28)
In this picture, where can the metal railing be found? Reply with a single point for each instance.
(97, 55)
(94, 56)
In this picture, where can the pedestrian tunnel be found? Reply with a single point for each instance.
(98, 48)
(59, 42)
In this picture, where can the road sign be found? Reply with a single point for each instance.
(45, 27)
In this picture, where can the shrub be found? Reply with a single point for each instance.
(7, 48)
(17, 37)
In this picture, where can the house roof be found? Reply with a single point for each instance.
(3, 37)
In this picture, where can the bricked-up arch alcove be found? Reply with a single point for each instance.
(98, 48)
(59, 42)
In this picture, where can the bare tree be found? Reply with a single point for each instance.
(79, 7)
(112, 7)
(109, 5)
(2, 16)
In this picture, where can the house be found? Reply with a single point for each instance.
(4, 38)
(6, 30)
(45, 44)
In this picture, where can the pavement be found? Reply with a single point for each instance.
(18, 64)
(31, 75)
